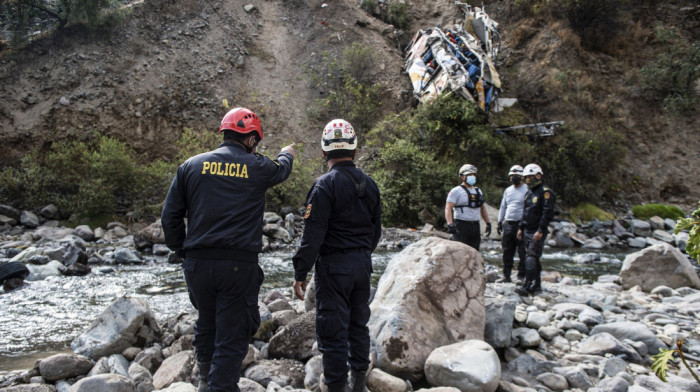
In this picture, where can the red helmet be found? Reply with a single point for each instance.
(241, 120)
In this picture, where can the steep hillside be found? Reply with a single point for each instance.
(172, 62)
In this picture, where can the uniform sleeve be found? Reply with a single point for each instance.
(377, 220)
(547, 210)
(174, 212)
(502, 209)
(316, 215)
(279, 168)
(526, 205)
(452, 197)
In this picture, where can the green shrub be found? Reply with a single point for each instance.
(646, 211)
(673, 74)
(293, 191)
(369, 6)
(585, 212)
(595, 21)
(397, 15)
(692, 224)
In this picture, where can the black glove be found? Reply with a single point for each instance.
(488, 229)
(452, 228)
(499, 228)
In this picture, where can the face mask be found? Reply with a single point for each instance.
(471, 180)
(515, 180)
(531, 182)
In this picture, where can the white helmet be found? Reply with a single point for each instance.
(516, 170)
(532, 169)
(338, 135)
(467, 169)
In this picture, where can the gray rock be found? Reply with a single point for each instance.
(9, 211)
(295, 340)
(127, 256)
(526, 337)
(500, 313)
(180, 387)
(85, 232)
(271, 217)
(467, 365)
(247, 385)
(636, 242)
(279, 304)
(313, 370)
(41, 272)
(657, 223)
(150, 358)
(663, 235)
(536, 320)
(553, 381)
(614, 384)
(575, 376)
(29, 219)
(658, 265)
(118, 365)
(640, 228)
(284, 317)
(50, 212)
(612, 366)
(281, 371)
(63, 366)
(548, 332)
(605, 343)
(175, 368)
(124, 323)
(248, 8)
(103, 383)
(378, 380)
(633, 331)
(29, 388)
(663, 291)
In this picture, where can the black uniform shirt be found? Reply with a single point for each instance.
(222, 194)
(336, 220)
(539, 209)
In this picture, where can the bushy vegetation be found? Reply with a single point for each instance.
(351, 92)
(419, 154)
(293, 191)
(674, 74)
(646, 211)
(585, 212)
(692, 224)
(397, 15)
(23, 17)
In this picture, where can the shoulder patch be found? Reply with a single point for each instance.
(534, 200)
(547, 195)
(307, 213)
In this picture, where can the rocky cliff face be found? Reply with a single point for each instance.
(172, 63)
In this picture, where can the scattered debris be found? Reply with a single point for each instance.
(537, 130)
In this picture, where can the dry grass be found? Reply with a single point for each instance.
(567, 35)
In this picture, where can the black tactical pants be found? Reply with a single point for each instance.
(468, 232)
(534, 249)
(226, 294)
(342, 283)
(510, 244)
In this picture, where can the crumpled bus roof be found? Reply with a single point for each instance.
(442, 60)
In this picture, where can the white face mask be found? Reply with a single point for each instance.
(471, 180)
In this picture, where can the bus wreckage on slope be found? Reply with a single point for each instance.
(461, 60)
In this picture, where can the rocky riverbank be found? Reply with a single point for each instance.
(474, 334)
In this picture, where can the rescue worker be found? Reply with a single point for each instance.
(509, 215)
(466, 202)
(537, 213)
(222, 195)
(342, 226)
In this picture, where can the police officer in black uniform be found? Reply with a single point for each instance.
(537, 213)
(222, 195)
(342, 228)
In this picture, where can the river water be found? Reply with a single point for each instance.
(43, 317)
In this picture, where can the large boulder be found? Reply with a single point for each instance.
(500, 313)
(176, 368)
(470, 365)
(126, 322)
(430, 295)
(604, 343)
(296, 340)
(636, 332)
(103, 383)
(150, 235)
(656, 266)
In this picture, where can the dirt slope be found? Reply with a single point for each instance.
(173, 62)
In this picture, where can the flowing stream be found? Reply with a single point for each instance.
(43, 317)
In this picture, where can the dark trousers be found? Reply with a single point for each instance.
(342, 283)
(510, 244)
(226, 294)
(468, 232)
(534, 249)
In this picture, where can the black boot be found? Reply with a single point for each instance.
(338, 387)
(204, 368)
(358, 380)
(524, 290)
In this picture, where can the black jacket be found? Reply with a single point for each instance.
(336, 219)
(539, 209)
(222, 194)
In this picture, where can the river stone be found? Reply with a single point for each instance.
(284, 317)
(85, 232)
(437, 281)
(633, 331)
(296, 339)
(63, 366)
(126, 255)
(118, 365)
(7, 220)
(613, 366)
(378, 380)
(29, 219)
(9, 211)
(41, 272)
(150, 358)
(271, 217)
(175, 368)
(614, 384)
(29, 388)
(636, 242)
(537, 319)
(470, 365)
(313, 370)
(605, 343)
(640, 228)
(281, 371)
(247, 385)
(74, 255)
(279, 304)
(103, 383)
(526, 337)
(273, 295)
(658, 265)
(575, 376)
(126, 322)
(149, 236)
(277, 232)
(663, 235)
(50, 212)
(180, 387)
(500, 313)
(553, 381)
